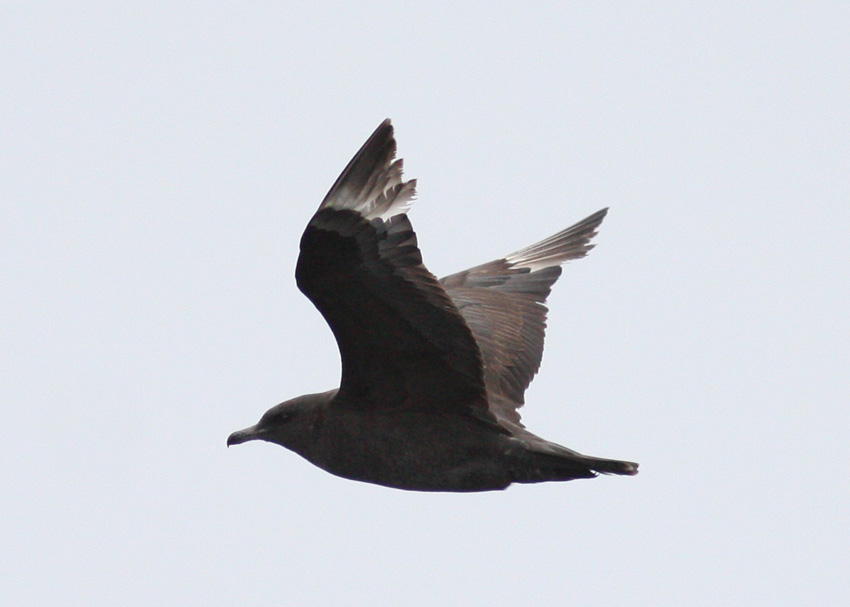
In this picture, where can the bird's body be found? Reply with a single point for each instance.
(433, 372)
(400, 448)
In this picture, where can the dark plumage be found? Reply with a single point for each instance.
(433, 371)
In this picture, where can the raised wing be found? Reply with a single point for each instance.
(402, 340)
(503, 303)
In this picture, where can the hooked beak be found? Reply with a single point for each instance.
(243, 436)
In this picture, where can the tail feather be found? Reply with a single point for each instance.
(611, 466)
(552, 462)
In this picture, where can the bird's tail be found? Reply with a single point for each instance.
(556, 463)
(611, 466)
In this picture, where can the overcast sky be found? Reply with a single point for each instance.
(158, 162)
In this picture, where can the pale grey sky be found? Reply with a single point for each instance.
(158, 164)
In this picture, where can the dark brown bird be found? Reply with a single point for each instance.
(433, 371)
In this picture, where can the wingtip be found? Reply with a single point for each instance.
(385, 134)
(382, 137)
(571, 243)
(372, 183)
(386, 125)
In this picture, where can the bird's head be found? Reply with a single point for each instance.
(287, 424)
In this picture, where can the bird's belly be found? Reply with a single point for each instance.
(421, 452)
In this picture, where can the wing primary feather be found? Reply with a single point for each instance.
(571, 243)
(371, 184)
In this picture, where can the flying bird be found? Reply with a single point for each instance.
(433, 371)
